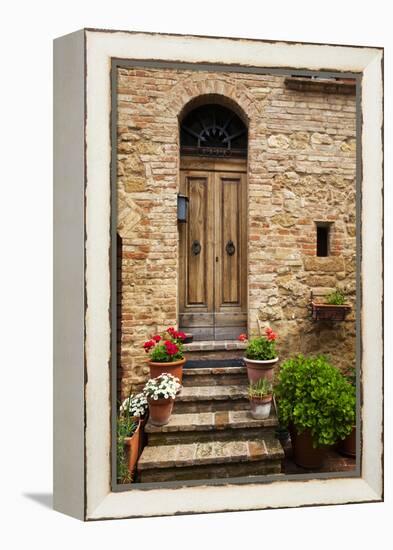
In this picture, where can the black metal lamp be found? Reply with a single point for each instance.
(182, 208)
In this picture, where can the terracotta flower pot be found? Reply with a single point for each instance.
(132, 446)
(260, 369)
(347, 446)
(175, 368)
(261, 406)
(304, 454)
(160, 410)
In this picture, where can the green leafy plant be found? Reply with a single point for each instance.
(262, 348)
(313, 395)
(260, 389)
(336, 298)
(126, 426)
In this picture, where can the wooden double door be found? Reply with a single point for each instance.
(213, 250)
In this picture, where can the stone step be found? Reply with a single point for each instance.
(215, 353)
(210, 460)
(215, 376)
(194, 399)
(210, 426)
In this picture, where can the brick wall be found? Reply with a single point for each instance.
(301, 169)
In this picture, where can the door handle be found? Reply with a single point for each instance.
(230, 248)
(196, 248)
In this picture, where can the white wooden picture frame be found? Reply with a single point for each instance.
(82, 256)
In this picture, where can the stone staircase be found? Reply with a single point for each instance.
(211, 433)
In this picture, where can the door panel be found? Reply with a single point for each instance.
(197, 242)
(229, 190)
(196, 250)
(230, 238)
(213, 262)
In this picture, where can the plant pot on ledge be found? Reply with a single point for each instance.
(160, 411)
(160, 394)
(128, 445)
(329, 312)
(304, 453)
(175, 368)
(132, 447)
(333, 308)
(257, 370)
(261, 397)
(261, 357)
(166, 353)
(136, 406)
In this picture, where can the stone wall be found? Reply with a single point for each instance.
(301, 169)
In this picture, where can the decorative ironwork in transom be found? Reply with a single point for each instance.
(214, 131)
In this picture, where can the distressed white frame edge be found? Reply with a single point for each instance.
(101, 502)
(69, 274)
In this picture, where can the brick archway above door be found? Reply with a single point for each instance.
(197, 86)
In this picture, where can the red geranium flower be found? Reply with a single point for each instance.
(180, 335)
(148, 345)
(270, 334)
(171, 331)
(156, 338)
(171, 348)
(242, 337)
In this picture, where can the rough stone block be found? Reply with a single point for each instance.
(328, 264)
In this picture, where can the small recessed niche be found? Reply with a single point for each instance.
(323, 238)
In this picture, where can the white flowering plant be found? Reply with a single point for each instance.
(135, 405)
(164, 386)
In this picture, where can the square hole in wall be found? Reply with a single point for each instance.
(323, 230)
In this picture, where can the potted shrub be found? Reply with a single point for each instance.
(261, 356)
(317, 404)
(136, 406)
(347, 446)
(160, 394)
(334, 308)
(128, 438)
(166, 353)
(260, 395)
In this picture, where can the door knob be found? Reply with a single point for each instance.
(230, 248)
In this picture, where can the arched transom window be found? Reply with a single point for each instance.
(213, 130)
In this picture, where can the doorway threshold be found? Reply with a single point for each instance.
(215, 345)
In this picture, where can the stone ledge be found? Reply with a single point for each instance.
(208, 421)
(215, 452)
(327, 86)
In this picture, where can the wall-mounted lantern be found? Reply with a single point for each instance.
(182, 208)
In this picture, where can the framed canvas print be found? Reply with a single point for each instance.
(218, 274)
